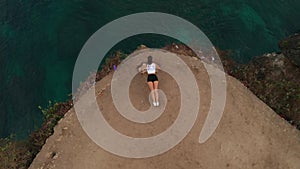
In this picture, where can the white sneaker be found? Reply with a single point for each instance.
(154, 104)
(157, 103)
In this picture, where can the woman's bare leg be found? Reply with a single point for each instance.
(151, 87)
(155, 90)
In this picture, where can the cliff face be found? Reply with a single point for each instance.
(250, 134)
(290, 47)
(274, 78)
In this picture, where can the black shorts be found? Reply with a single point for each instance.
(152, 78)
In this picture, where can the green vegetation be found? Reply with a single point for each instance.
(8, 153)
(284, 43)
(51, 115)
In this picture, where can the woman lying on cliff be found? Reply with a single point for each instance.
(152, 80)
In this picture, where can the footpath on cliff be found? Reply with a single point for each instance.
(249, 135)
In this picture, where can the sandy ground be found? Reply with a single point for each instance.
(250, 134)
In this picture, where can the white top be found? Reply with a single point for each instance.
(151, 68)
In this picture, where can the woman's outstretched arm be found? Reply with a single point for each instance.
(142, 68)
(157, 66)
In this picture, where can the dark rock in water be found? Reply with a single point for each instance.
(290, 47)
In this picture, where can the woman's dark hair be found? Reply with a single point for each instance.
(149, 60)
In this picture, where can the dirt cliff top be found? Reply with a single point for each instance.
(249, 135)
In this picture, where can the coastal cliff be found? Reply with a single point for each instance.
(250, 134)
(272, 77)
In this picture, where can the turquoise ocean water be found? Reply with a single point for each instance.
(40, 41)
